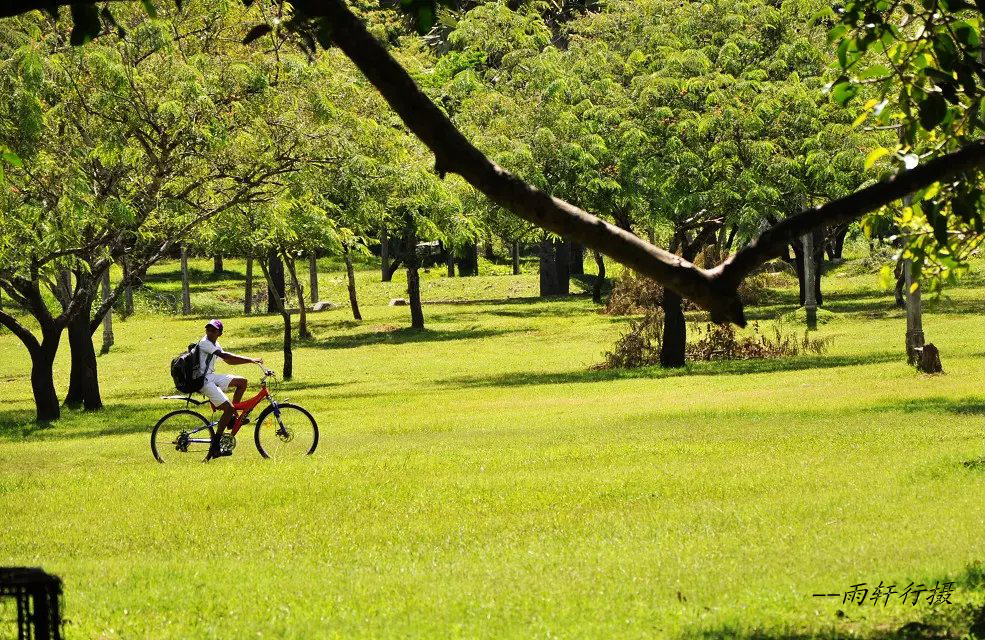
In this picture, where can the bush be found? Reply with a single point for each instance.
(633, 294)
(720, 342)
(640, 346)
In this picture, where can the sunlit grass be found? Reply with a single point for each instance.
(477, 479)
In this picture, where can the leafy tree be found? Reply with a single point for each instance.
(327, 22)
(126, 145)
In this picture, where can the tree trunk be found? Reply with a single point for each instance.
(108, 318)
(313, 276)
(548, 268)
(186, 299)
(217, 264)
(450, 260)
(385, 256)
(562, 258)
(275, 285)
(127, 290)
(279, 304)
(303, 332)
(248, 294)
(516, 258)
(468, 264)
(288, 352)
(675, 331)
(487, 248)
(577, 259)
(799, 262)
(351, 277)
(599, 279)
(413, 278)
(83, 385)
(42, 380)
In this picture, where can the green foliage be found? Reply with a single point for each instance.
(919, 65)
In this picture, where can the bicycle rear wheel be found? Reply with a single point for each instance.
(182, 436)
(288, 432)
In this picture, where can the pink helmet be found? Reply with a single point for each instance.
(216, 324)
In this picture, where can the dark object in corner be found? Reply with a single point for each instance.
(38, 596)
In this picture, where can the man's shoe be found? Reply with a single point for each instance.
(216, 451)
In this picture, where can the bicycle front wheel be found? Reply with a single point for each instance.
(181, 436)
(286, 431)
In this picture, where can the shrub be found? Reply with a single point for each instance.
(638, 347)
(720, 342)
(633, 294)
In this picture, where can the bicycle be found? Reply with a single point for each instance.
(282, 429)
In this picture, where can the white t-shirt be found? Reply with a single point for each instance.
(204, 349)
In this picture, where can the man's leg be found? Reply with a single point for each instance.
(239, 384)
(227, 414)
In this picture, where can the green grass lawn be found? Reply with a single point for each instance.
(477, 479)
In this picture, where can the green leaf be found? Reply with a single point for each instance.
(843, 92)
(11, 158)
(874, 155)
(149, 8)
(875, 71)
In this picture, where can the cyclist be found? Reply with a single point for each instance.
(216, 384)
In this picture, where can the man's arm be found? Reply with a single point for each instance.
(232, 358)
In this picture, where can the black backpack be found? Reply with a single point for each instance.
(184, 370)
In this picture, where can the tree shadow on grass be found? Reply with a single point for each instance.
(935, 404)
(110, 421)
(387, 336)
(735, 367)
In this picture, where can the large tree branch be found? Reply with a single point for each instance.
(20, 331)
(774, 240)
(714, 290)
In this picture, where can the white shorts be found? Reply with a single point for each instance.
(215, 385)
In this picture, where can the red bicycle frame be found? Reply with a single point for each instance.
(243, 408)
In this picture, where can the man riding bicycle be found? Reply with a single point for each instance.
(216, 384)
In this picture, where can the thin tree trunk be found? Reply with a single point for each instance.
(313, 277)
(351, 277)
(127, 290)
(385, 256)
(413, 278)
(217, 264)
(275, 283)
(577, 259)
(487, 248)
(516, 258)
(248, 294)
(303, 332)
(108, 318)
(599, 279)
(450, 261)
(286, 317)
(288, 372)
(675, 331)
(186, 299)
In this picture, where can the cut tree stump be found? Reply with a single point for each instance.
(929, 359)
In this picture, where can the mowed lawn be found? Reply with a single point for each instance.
(477, 479)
